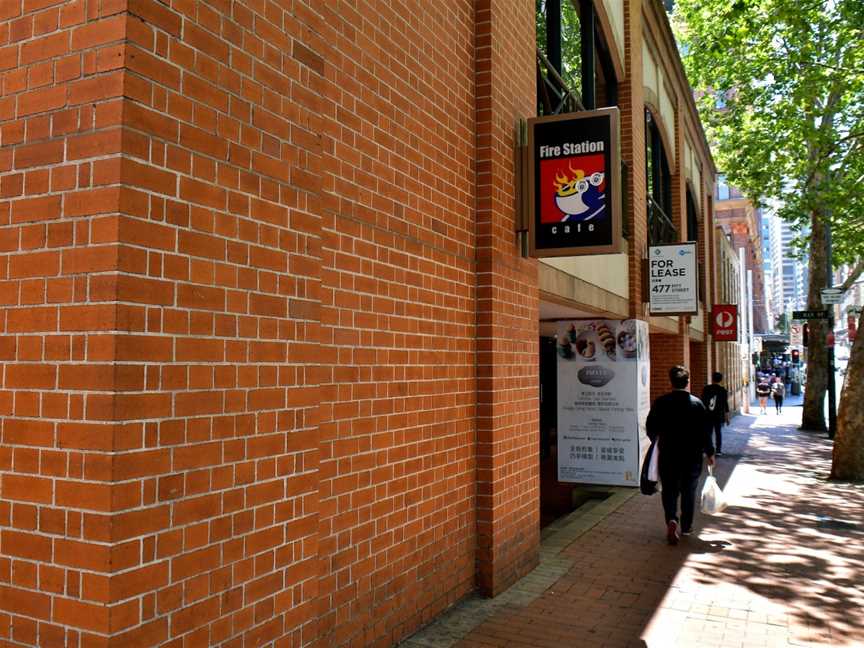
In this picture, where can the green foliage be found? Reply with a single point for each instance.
(571, 52)
(780, 88)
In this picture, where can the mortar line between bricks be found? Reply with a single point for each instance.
(455, 623)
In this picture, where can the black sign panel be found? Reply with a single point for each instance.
(574, 184)
(810, 314)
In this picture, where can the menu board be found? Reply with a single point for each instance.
(603, 400)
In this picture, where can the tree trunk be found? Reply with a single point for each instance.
(848, 462)
(813, 417)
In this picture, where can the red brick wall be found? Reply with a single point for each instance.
(397, 445)
(507, 305)
(243, 396)
(667, 350)
(177, 465)
(60, 145)
(224, 98)
(270, 348)
(631, 102)
(698, 367)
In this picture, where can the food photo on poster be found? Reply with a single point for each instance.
(603, 400)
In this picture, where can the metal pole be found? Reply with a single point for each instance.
(747, 361)
(553, 34)
(586, 28)
(832, 388)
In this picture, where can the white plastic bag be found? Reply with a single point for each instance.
(713, 501)
(653, 469)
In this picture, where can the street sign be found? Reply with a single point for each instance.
(853, 310)
(724, 322)
(796, 335)
(810, 314)
(832, 295)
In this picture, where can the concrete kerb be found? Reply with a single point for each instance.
(452, 625)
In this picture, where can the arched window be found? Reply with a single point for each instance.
(661, 229)
(692, 218)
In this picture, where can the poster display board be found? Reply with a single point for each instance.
(673, 283)
(574, 191)
(603, 400)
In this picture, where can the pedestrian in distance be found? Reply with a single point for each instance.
(763, 391)
(778, 391)
(716, 401)
(679, 423)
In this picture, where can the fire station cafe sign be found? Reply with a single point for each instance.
(673, 288)
(574, 191)
(724, 322)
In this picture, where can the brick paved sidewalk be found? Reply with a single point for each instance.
(783, 566)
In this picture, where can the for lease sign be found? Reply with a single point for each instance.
(672, 279)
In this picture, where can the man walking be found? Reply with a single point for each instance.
(679, 420)
(716, 401)
(778, 391)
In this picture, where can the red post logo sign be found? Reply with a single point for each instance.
(724, 322)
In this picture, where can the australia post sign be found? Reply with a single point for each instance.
(574, 190)
(724, 322)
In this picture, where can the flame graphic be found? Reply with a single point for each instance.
(566, 186)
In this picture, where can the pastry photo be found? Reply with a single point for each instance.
(626, 338)
(585, 345)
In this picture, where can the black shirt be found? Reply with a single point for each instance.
(681, 422)
(720, 399)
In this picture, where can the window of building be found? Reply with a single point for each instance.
(692, 218)
(661, 229)
(559, 47)
(722, 188)
(574, 64)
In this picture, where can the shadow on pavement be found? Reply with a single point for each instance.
(784, 565)
(798, 539)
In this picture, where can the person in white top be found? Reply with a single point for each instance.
(778, 391)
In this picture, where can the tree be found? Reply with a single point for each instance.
(781, 323)
(780, 87)
(571, 57)
(848, 456)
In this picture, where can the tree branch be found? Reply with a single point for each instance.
(853, 276)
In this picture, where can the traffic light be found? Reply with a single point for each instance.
(796, 357)
(805, 333)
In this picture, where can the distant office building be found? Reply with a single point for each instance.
(772, 266)
(794, 268)
(740, 221)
